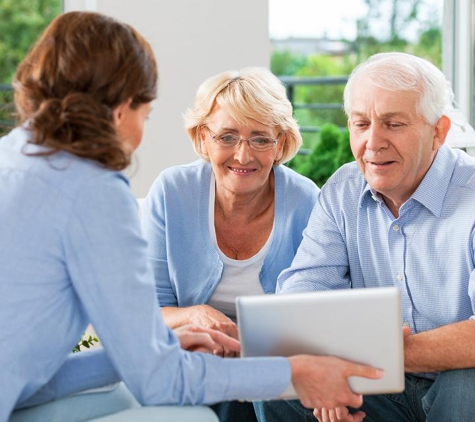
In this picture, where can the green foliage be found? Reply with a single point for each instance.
(430, 46)
(85, 342)
(343, 153)
(284, 63)
(6, 111)
(398, 14)
(322, 65)
(330, 152)
(21, 22)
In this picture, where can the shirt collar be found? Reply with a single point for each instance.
(433, 188)
(369, 194)
(437, 180)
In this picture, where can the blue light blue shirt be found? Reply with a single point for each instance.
(71, 252)
(353, 240)
(175, 219)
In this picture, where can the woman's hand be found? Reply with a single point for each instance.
(207, 317)
(322, 381)
(200, 339)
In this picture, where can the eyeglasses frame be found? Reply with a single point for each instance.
(213, 135)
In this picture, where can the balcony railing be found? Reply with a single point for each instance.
(291, 82)
(7, 120)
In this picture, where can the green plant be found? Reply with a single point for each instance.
(85, 342)
(330, 152)
(21, 22)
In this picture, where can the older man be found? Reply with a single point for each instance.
(402, 215)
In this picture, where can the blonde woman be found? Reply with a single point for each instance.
(228, 224)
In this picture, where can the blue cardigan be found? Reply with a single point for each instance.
(175, 214)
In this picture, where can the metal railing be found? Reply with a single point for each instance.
(291, 82)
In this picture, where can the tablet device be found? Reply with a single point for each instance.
(360, 325)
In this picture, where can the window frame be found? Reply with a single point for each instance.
(458, 45)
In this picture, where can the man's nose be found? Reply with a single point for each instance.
(375, 137)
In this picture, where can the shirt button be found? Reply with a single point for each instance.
(396, 228)
(399, 277)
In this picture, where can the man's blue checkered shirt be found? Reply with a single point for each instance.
(353, 240)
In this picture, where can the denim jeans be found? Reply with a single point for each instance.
(235, 411)
(450, 398)
(283, 411)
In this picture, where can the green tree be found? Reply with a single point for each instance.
(401, 14)
(284, 63)
(21, 22)
(430, 46)
(330, 152)
(322, 65)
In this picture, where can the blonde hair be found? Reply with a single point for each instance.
(250, 93)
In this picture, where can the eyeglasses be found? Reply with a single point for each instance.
(229, 140)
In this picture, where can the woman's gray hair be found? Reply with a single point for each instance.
(404, 72)
(251, 93)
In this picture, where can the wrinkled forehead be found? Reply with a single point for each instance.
(370, 98)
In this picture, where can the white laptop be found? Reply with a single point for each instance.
(360, 325)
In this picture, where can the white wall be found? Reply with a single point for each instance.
(192, 40)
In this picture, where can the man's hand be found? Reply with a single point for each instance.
(406, 331)
(201, 339)
(339, 414)
(322, 381)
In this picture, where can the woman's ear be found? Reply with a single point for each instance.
(118, 112)
(202, 136)
(280, 147)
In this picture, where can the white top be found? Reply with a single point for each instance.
(240, 277)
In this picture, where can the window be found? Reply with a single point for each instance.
(314, 50)
(458, 65)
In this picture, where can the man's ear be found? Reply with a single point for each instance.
(442, 128)
(118, 112)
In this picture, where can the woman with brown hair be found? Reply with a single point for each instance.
(72, 253)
